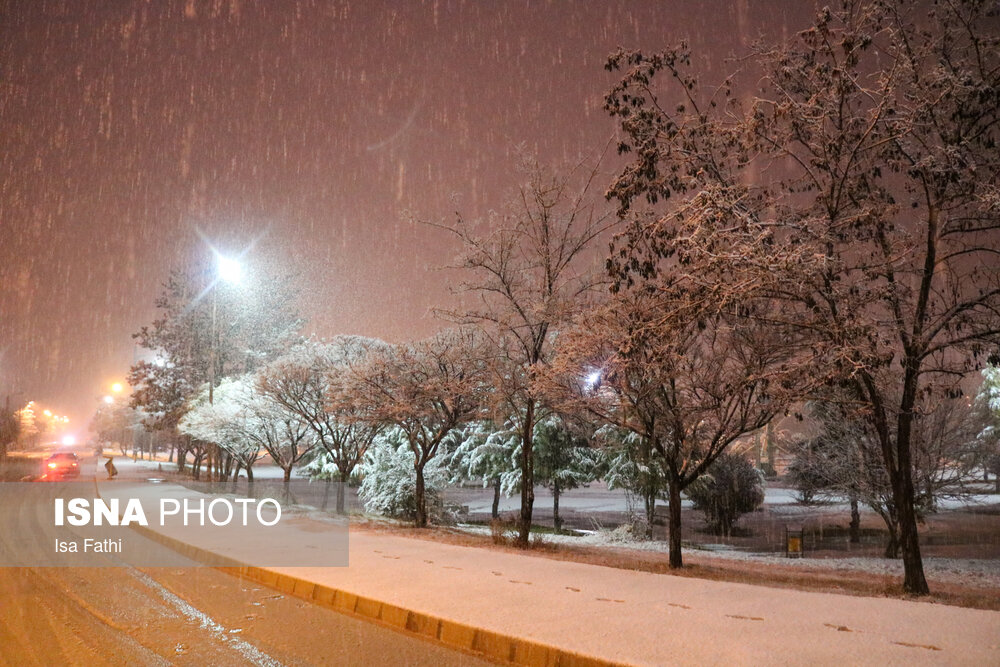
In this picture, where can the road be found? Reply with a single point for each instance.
(184, 616)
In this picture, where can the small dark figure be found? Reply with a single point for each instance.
(110, 467)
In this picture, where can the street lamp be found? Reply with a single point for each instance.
(229, 270)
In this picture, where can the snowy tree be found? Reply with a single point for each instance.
(530, 271)
(857, 190)
(684, 375)
(282, 433)
(491, 454)
(300, 381)
(225, 422)
(988, 409)
(632, 464)
(208, 330)
(427, 389)
(252, 323)
(389, 478)
(564, 460)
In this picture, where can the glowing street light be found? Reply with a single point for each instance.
(109, 399)
(229, 269)
(117, 387)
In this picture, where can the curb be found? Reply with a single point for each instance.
(495, 646)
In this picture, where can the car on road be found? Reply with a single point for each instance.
(61, 465)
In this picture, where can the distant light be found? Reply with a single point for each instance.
(116, 387)
(109, 400)
(47, 413)
(68, 440)
(592, 379)
(230, 270)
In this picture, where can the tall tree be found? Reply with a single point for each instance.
(564, 460)
(204, 330)
(686, 378)
(530, 271)
(632, 464)
(427, 389)
(858, 189)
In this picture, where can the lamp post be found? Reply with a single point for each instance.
(230, 271)
(227, 270)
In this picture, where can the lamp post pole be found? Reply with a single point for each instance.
(212, 349)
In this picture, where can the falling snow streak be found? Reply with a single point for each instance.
(310, 125)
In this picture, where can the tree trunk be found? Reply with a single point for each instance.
(496, 498)
(914, 581)
(855, 528)
(892, 546)
(249, 474)
(341, 509)
(527, 475)
(675, 524)
(556, 521)
(419, 500)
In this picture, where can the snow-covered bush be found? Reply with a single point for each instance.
(388, 485)
(731, 488)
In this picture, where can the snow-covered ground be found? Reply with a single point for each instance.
(598, 498)
(970, 571)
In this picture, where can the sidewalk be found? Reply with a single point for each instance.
(535, 610)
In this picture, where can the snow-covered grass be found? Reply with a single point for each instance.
(983, 573)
